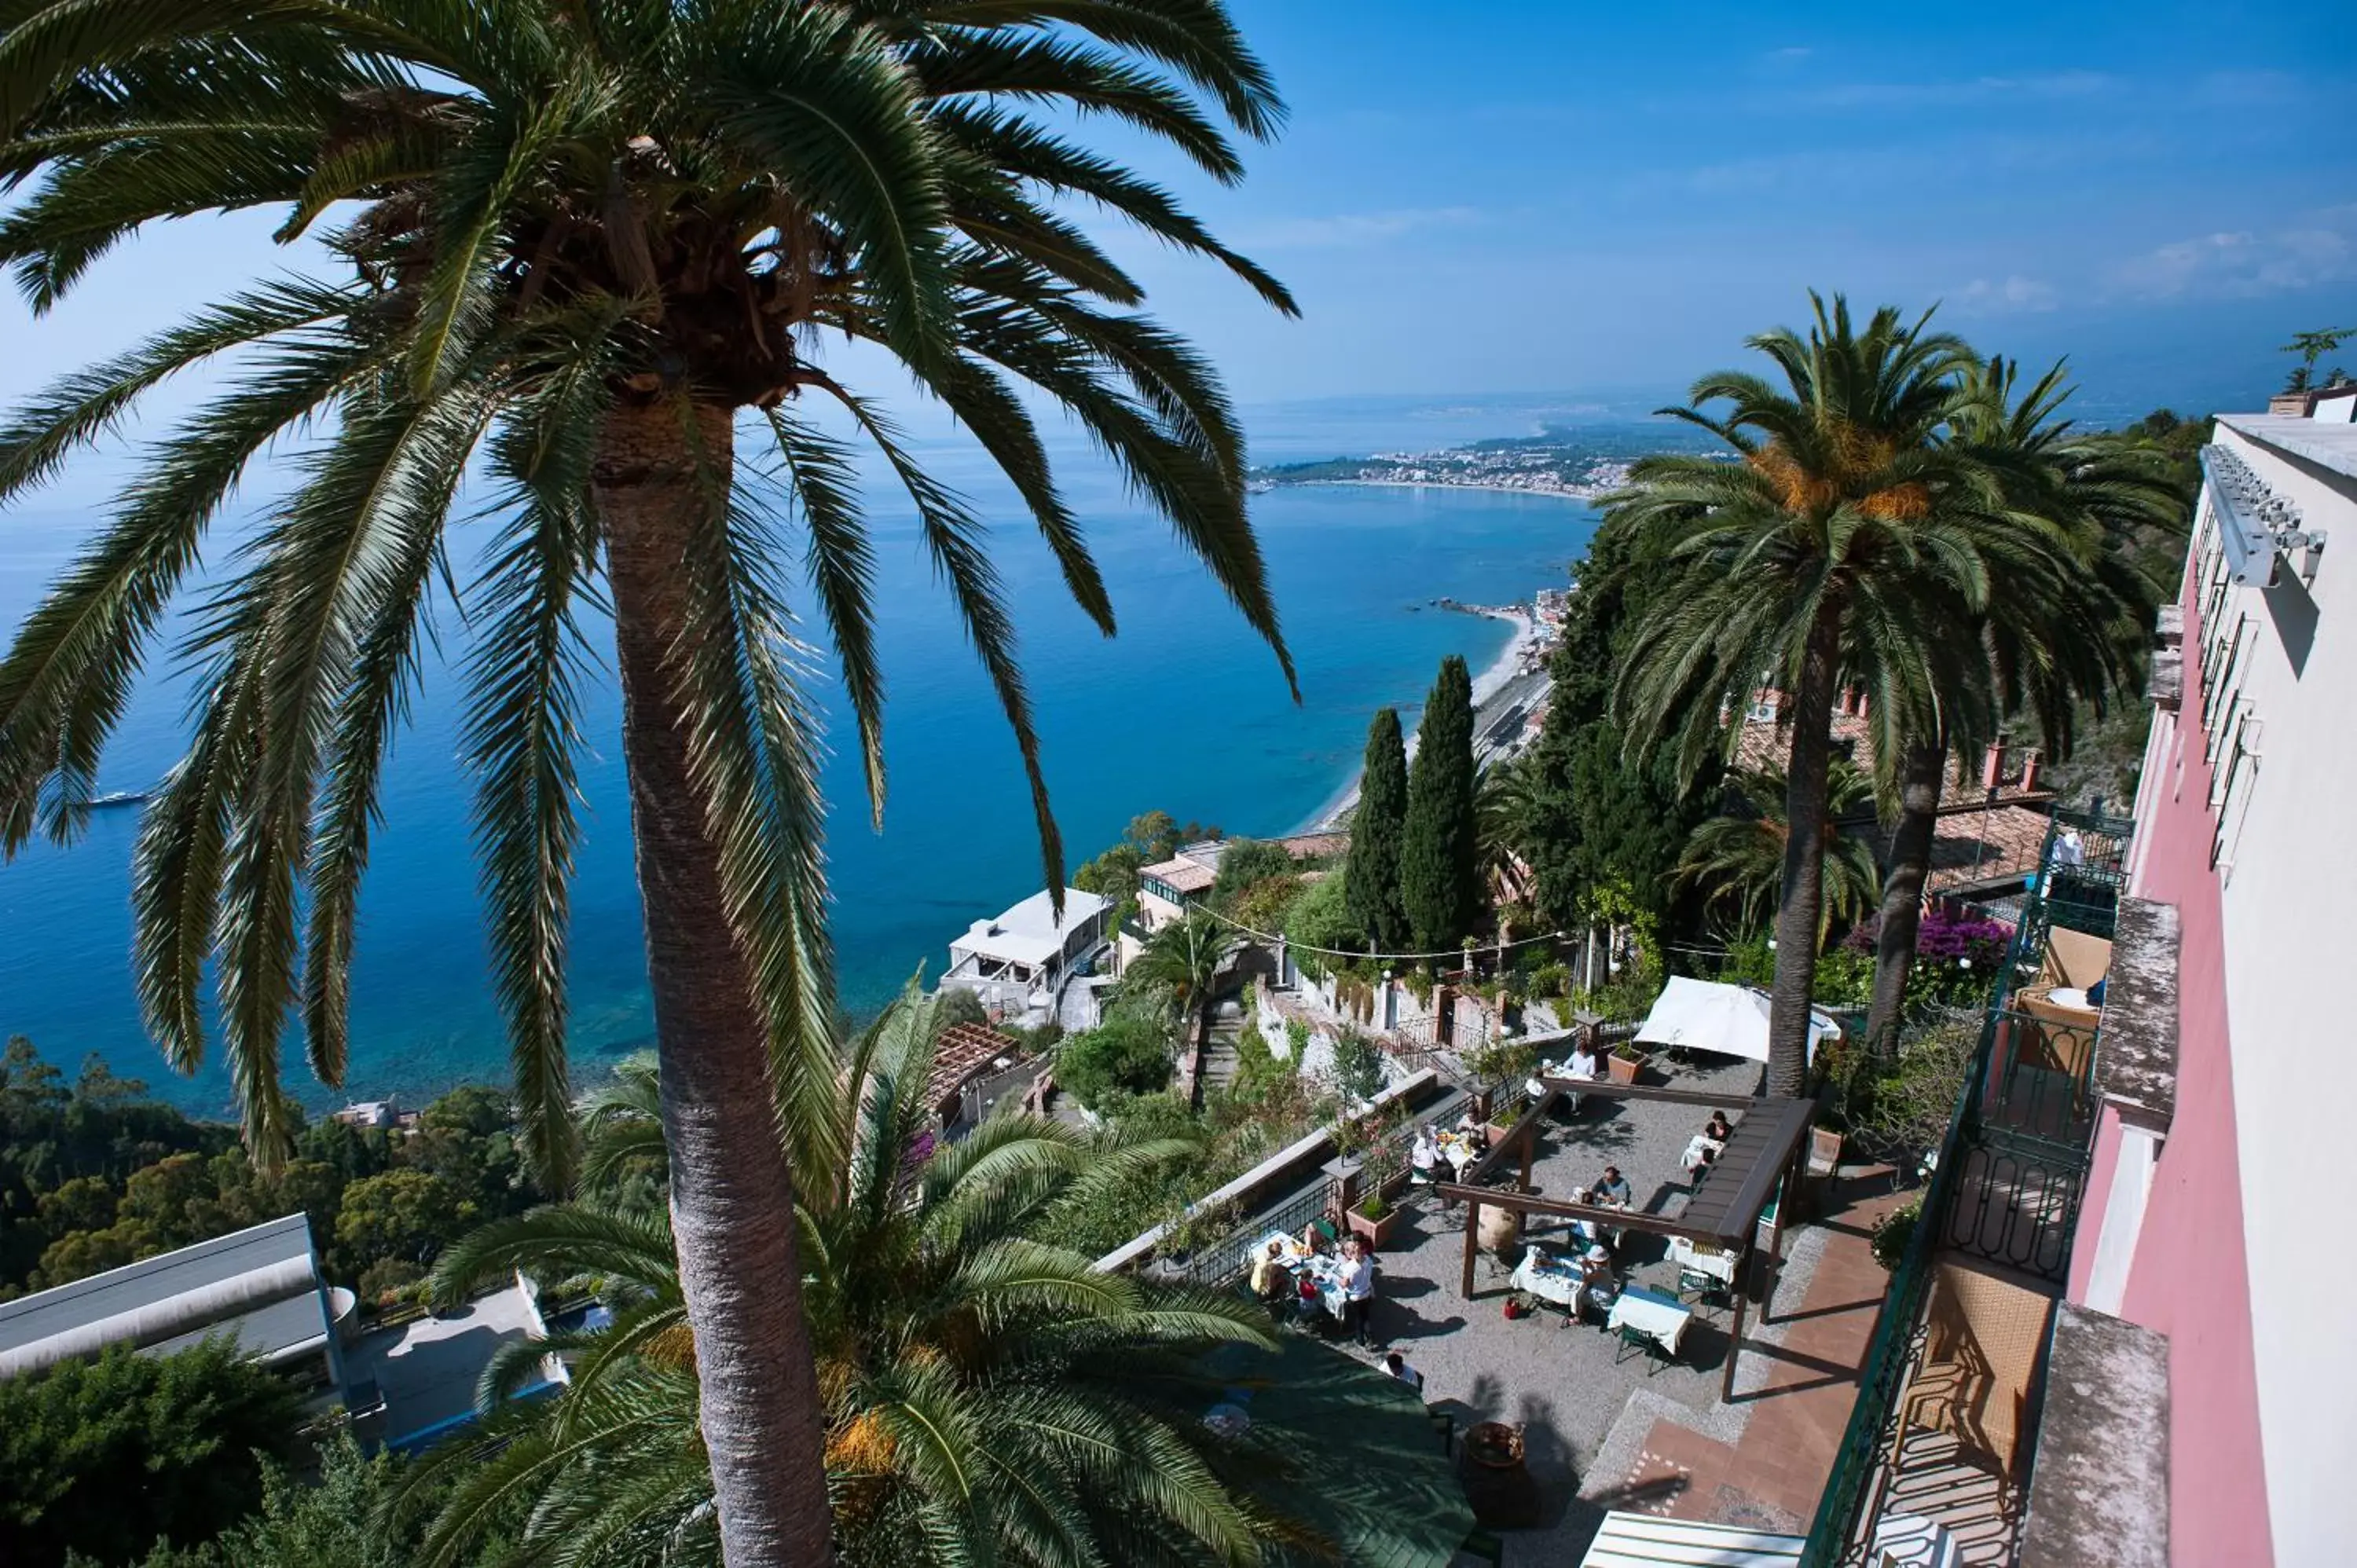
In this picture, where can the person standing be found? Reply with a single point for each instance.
(1358, 1291)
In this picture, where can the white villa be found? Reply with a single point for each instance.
(1018, 962)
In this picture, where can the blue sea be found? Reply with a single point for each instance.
(1185, 710)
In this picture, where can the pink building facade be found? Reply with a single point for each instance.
(2221, 1144)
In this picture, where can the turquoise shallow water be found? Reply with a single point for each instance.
(1185, 710)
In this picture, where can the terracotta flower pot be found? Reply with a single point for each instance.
(1621, 1068)
(1378, 1231)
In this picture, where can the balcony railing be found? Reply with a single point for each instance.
(2008, 1178)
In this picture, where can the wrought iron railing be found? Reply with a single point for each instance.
(2010, 1176)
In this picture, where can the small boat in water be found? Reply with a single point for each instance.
(114, 799)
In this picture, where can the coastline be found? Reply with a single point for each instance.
(1501, 686)
(1581, 497)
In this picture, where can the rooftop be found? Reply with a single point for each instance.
(961, 1051)
(427, 1368)
(1031, 932)
(2324, 442)
(260, 1283)
(1197, 865)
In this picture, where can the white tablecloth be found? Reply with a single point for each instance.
(1322, 1270)
(1696, 1148)
(1718, 1265)
(1659, 1319)
(1537, 1274)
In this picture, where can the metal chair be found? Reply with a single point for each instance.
(1645, 1344)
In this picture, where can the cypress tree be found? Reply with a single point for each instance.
(1440, 888)
(1371, 885)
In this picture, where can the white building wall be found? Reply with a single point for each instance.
(2287, 865)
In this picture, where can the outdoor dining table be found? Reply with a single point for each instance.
(1656, 1317)
(1697, 1147)
(1298, 1260)
(1457, 1149)
(1548, 1277)
(1718, 1263)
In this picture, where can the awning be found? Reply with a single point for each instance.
(1732, 1020)
(1642, 1540)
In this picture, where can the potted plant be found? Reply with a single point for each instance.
(1372, 1217)
(1623, 1065)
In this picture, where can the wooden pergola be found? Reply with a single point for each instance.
(1765, 1153)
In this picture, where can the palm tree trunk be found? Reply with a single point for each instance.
(1923, 772)
(732, 1197)
(1797, 918)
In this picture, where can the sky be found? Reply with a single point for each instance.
(1522, 198)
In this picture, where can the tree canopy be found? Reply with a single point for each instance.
(1371, 877)
(1440, 879)
(106, 1457)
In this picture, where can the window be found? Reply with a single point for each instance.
(2233, 794)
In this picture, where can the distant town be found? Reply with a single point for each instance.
(1581, 465)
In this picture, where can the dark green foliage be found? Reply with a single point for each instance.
(100, 1176)
(1600, 815)
(1440, 884)
(1246, 863)
(1128, 1054)
(106, 1457)
(338, 1519)
(1371, 877)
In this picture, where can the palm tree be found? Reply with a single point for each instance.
(1835, 550)
(2064, 623)
(990, 1397)
(1737, 860)
(1505, 806)
(577, 250)
(1182, 961)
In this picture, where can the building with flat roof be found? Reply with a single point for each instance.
(261, 1287)
(1018, 962)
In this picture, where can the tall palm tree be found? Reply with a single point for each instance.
(991, 1398)
(2064, 622)
(576, 250)
(1736, 859)
(1834, 549)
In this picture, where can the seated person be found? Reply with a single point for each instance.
(1583, 1063)
(1597, 1283)
(1720, 1129)
(1613, 1189)
(1424, 1157)
(1312, 1243)
(1271, 1280)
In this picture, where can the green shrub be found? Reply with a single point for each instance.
(1128, 1054)
(106, 1457)
(1893, 1231)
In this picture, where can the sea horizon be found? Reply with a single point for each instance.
(1184, 711)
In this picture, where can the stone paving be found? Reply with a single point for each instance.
(1607, 1429)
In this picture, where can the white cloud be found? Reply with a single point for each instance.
(1347, 231)
(1792, 51)
(2010, 295)
(2243, 264)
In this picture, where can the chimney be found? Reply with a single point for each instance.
(2029, 765)
(1993, 767)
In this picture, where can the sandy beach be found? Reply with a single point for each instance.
(1500, 691)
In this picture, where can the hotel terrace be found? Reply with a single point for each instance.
(2116, 1333)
